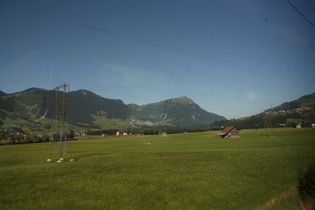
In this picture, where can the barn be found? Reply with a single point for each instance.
(229, 132)
(121, 133)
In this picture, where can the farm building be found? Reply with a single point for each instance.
(121, 133)
(229, 132)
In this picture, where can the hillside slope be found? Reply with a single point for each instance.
(300, 111)
(88, 110)
(180, 111)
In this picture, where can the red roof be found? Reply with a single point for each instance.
(228, 129)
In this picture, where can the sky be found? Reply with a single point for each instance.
(234, 58)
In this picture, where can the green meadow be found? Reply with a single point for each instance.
(180, 171)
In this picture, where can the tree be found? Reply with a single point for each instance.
(70, 135)
(306, 184)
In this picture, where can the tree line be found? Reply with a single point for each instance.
(17, 136)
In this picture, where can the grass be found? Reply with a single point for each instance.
(182, 171)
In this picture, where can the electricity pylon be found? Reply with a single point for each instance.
(61, 102)
(267, 124)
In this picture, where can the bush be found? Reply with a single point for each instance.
(306, 184)
(70, 135)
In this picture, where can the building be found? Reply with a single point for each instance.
(121, 133)
(229, 132)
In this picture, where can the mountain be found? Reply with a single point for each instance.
(180, 112)
(2, 93)
(300, 111)
(85, 109)
(304, 102)
(88, 109)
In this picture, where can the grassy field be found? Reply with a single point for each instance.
(180, 171)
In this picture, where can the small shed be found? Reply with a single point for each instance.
(120, 133)
(229, 132)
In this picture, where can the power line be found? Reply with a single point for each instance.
(301, 13)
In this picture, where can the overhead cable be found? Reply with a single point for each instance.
(301, 13)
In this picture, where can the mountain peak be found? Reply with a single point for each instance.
(183, 100)
(2, 93)
(33, 90)
(83, 92)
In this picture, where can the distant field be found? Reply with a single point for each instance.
(181, 171)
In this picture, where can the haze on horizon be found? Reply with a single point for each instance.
(232, 58)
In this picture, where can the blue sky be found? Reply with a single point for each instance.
(233, 57)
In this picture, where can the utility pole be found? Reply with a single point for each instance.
(61, 103)
(268, 124)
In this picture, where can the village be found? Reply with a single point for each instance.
(297, 110)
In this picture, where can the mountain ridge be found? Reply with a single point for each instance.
(300, 111)
(89, 110)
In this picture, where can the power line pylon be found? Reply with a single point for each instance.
(61, 102)
(268, 124)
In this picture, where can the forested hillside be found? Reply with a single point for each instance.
(289, 114)
(35, 109)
